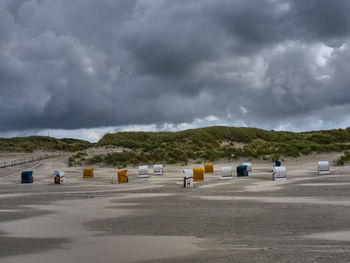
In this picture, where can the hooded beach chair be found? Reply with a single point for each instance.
(158, 169)
(88, 173)
(27, 177)
(122, 177)
(208, 168)
(279, 173)
(198, 174)
(143, 171)
(249, 166)
(188, 178)
(227, 172)
(60, 178)
(323, 168)
(242, 171)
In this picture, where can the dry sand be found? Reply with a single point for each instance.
(334, 236)
(252, 219)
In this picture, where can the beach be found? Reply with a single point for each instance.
(155, 219)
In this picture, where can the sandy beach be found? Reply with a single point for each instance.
(251, 219)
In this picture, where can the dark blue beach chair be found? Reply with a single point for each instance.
(27, 177)
(242, 171)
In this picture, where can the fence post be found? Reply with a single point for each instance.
(30, 159)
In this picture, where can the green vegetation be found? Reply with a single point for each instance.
(77, 158)
(44, 143)
(213, 143)
(210, 144)
(344, 159)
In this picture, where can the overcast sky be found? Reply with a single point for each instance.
(80, 68)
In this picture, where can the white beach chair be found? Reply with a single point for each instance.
(158, 169)
(249, 166)
(143, 171)
(188, 179)
(279, 173)
(323, 167)
(227, 172)
(60, 178)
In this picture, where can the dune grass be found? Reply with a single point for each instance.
(44, 143)
(203, 144)
(214, 143)
(344, 159)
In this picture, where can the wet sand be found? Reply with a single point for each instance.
(252, 219)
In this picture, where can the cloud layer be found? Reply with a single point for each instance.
(274, 64)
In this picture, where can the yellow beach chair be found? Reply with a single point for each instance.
(122, 177)
(208, 168)
(198, 174)
(88, 173)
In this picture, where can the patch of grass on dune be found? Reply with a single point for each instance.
(206, 144)
(344, 159)
(44, 143)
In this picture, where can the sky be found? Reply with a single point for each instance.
(81, 68)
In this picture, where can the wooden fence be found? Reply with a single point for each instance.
(28, 160)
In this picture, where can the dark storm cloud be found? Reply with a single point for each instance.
(95, 63)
